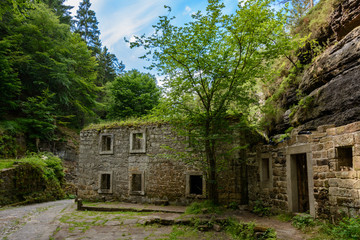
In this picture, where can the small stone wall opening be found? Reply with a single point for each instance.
(105, 183)
(137, 139)
(136, 183)
(137, 142)
(344, 158)
(265, 169)
(196, 184)
(106, 144)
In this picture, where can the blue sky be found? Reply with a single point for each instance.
(126, 18)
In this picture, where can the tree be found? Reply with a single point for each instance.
(61, 10)
(132, 94)
(86, 25)
(42, 54)
(212, 65)
(108, 67)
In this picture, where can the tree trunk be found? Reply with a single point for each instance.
(211, 161)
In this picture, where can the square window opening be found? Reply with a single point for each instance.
(196, 184)
(136, 185)
(265, 169)
(344, 157)
(105, 182)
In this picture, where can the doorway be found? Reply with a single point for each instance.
(301, 180)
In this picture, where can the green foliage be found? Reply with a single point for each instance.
(212, 66)
(303, 221)
(316, 19)
(8, 145)
(132, 94)
(203, 207)
(246, 231)
(36, 178)
(348, 228)
(86, 25)
(260, 209)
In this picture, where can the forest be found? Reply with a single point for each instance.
(56, 73)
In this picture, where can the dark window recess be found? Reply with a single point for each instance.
(105, 181)
(345, 157)
(137, 140)
(106, 143)
(265, 169)
(196, 184)
(136, 183)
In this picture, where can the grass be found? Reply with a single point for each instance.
(123, 123)
(6, 163)
(203, 207)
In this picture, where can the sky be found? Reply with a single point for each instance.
(119, 19)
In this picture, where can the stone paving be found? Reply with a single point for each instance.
(61, 220)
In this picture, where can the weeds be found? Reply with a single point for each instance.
(203, 207)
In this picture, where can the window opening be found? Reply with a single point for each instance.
(196, 184)
(136, 183)
(265, 169)
(106, 143)
(137, 140)
(345, 158)
(105, 181)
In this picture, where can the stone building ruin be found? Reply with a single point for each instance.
(130, 164)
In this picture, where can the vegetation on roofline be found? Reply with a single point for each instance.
(130, 122)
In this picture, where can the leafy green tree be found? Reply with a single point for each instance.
(44, 54)
(212, 66)
(132, 94)
(86, 25)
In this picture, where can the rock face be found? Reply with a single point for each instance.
(331, 83)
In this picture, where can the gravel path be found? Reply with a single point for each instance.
(37, 221)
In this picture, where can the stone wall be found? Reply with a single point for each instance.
(164, 177)
(333, 157)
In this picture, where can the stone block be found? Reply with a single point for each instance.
(316, 155)
(330, 175)
(317, 147)
(352, 127)
(346, 174)
(318, 183)
(357, 137)
(302, 139)
(340, 130)
(323, 128)
(333, 182)
(356, 150)
(331, 153)
(344, 140)
(326, 139)
(321, 169)
(322, 162)
(331, 131)
(329, 145)
(334, 191)
(356, 162)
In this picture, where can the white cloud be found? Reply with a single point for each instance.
(129, 21)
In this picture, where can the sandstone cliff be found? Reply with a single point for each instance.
(330, 86)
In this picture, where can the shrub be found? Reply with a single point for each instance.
(261, 210)
(303, 220)
(203, 207)
(247, 231)
(348, 228)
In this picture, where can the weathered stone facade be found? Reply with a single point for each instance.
(331, 159)
(129, 163)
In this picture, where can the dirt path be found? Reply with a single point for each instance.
(37, 221)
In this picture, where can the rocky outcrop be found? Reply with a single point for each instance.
(331, 84)
(345, 18)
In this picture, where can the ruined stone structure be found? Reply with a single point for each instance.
(316, 172)
(130, 164)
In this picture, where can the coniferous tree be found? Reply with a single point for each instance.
(61, 10)
(108, 67)
(86, 25)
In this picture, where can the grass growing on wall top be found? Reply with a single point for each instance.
(131, 122)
